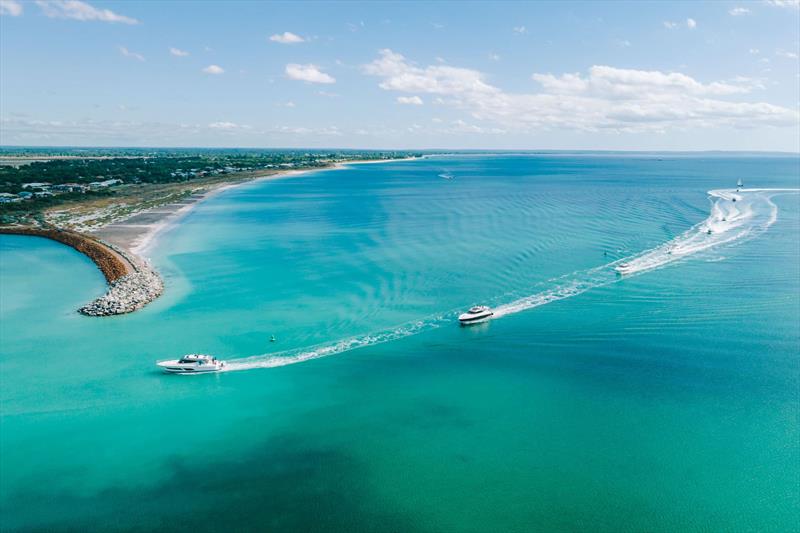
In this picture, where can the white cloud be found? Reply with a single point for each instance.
(690, 23)
(493, 57)
(228, 126)
(784, 3)
(133, 55)
(786, 53)
(310, 73)
(178, 52)
(754, 51)
(623, 43)
(520, 30)
(738, 11)
(606, 98)
(214, 69)
(77, 10)
(409, 100)
(10, 7)
(286, 37)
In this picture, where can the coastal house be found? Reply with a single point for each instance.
(36, 185)
(43, 194)
(104, 184)
(25, 195)
(6, 197)
(69, 187)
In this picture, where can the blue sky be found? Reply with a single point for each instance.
(570, 75)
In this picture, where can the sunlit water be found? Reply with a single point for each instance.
(664, 397)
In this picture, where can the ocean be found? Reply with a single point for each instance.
(662, 399)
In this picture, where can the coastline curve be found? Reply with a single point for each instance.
(132, 282)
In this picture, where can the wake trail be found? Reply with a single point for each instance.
(736, 216)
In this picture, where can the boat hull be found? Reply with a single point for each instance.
(468, 321)
(172, 367)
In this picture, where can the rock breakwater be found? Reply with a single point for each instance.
(132, 282)
(128, 293)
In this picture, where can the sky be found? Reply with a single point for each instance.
(405, 75)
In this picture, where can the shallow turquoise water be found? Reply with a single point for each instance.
(663, 401)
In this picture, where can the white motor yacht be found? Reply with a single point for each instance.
(193, 363)
(479, 313)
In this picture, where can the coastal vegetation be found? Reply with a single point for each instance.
(62, 194)
(36, 183)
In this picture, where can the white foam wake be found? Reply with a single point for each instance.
(299, 355)
(736, 215)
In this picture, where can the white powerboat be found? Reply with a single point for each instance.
(193, 363)
(622, 268)
(479, 313)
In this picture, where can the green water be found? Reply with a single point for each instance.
(662, 401)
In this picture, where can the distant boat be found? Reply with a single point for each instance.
(478, 313)
(446, 175)
(739, 184)
(623, 268)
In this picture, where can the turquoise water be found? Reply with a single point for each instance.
(663, 400)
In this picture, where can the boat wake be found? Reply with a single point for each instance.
(736, 216)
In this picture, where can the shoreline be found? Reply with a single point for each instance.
(146, 239)
(118, 247)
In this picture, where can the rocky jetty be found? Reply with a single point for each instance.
(128, 293)
(132, 282)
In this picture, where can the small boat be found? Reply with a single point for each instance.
(446, 175)
(709, 231)
(623, 268)
(739, 185)
(476, 314)
(272, 339)
(193, 363)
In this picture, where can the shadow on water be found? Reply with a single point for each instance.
(286, 485)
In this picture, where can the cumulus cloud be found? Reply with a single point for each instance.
(738, 11)
(786, 53)
(520, 30)
(310, 73)
(784, 3)
(409, 100)
(10, 7)
(286, 37)
(605, 98)
(178, 52)
(214, 69)
(133, 55)
(690, 23)
(77, 10)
